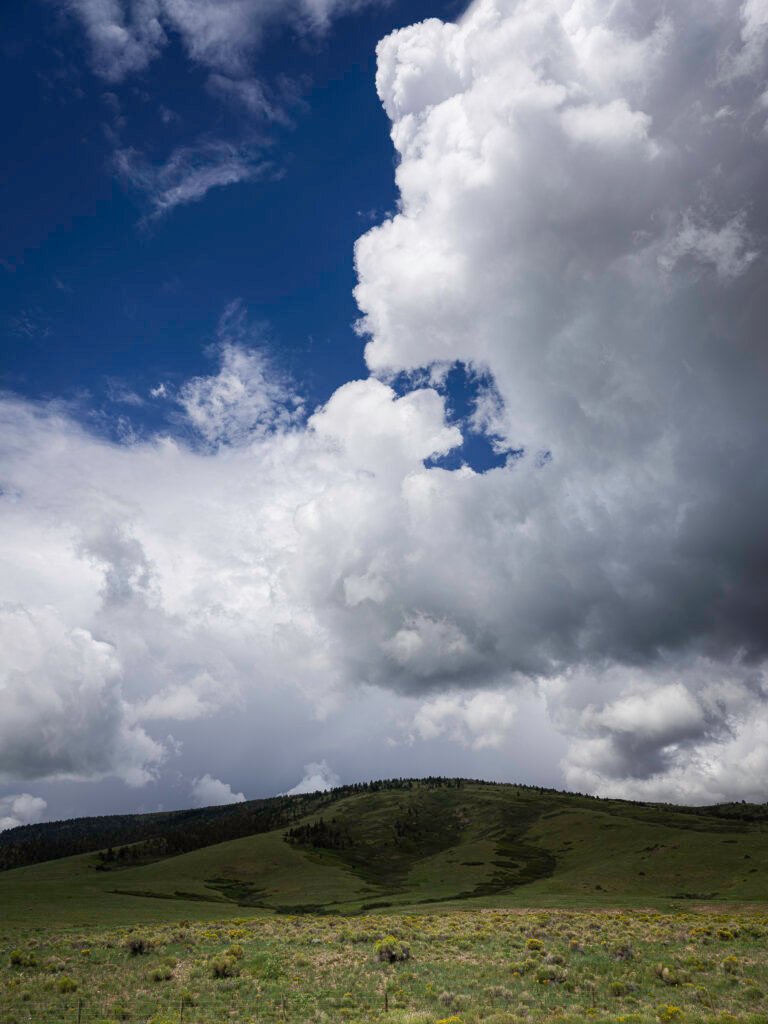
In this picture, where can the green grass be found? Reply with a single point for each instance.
(208, 883)
(478, 967)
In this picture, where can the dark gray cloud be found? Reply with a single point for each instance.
(62, 712)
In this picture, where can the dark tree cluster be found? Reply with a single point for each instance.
(166, 834)
(139, 838)
(321, 834)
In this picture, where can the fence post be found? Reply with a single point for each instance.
(79, 1010)
(181, 1011)
(386, 1001)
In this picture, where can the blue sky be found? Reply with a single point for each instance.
(382, 392)
(93, 300)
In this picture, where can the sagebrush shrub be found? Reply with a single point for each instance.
(137, 945)
(22, 958)
(668, 1013)
(224, 967)
(390, 950)
(665, 975)
(453, 1000)
(550, 975)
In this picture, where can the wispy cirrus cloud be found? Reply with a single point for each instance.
(124, 36)
(30, 323)
(189, 173)
(223, 37)
(255, 96)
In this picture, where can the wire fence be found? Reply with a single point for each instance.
(233, 1006)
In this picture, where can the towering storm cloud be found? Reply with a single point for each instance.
(582, 221)
(583, 213)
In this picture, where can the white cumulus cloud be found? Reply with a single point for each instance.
(480, 721)
(246, 398)
(208, 791)
(318, 778)
(21, 809)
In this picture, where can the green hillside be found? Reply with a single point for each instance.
(467, 844)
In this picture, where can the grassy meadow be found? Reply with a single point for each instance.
(641, 913)
(473, 967)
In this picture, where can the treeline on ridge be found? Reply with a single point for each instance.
(146, 837)
(129, 839)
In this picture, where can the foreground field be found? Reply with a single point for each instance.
(489, 966)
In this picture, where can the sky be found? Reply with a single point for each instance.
(382, 393)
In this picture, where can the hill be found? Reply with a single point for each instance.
(400, 844)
